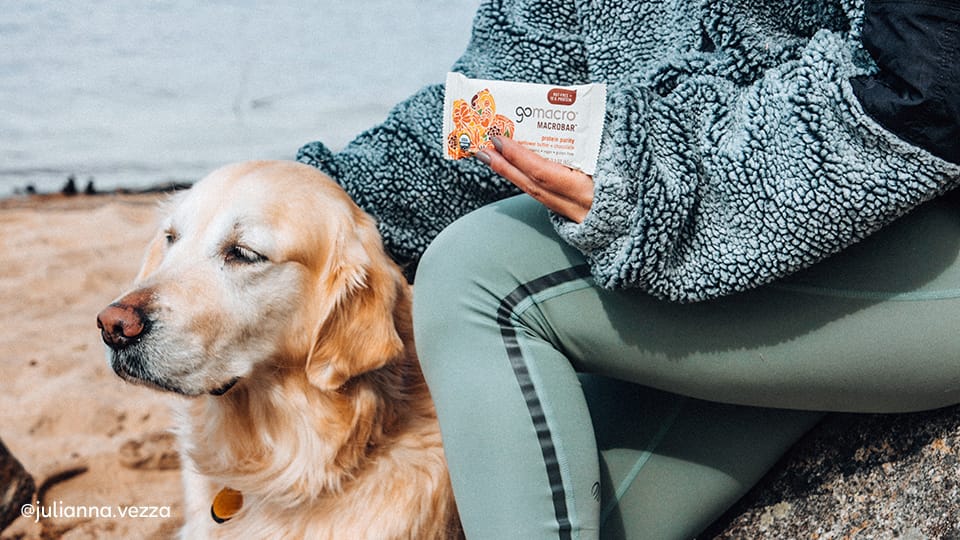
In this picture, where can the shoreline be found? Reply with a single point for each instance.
(30, 197)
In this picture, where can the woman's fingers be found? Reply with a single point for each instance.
(565, 191)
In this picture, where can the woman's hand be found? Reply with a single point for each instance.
(566, 191)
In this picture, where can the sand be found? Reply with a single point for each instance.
(94, 444)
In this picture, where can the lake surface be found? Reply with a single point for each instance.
(132, 94)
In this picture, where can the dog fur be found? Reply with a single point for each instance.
(267, 299)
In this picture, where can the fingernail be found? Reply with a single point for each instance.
(497, 143)
(483, 156)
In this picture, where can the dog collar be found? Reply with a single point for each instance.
(226, 504)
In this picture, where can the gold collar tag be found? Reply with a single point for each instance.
(226, 504)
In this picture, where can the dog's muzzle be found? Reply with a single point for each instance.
(123, 325)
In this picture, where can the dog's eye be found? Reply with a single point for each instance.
(243, 255)
(171, 236)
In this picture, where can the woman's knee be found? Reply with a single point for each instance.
(476, 262)
(491, 248)
(449, 291)
(449, 255)
(491, 231)
(450, 268)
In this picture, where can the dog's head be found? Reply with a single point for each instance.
(261, 265)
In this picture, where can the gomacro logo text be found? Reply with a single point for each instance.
(539, 113)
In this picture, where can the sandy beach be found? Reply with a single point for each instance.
(94, 444)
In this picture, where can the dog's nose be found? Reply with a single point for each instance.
(120, 325)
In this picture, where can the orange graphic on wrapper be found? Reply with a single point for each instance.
(474, 124)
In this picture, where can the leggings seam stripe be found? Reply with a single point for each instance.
(520, 370)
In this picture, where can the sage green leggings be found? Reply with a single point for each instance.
(685, 406)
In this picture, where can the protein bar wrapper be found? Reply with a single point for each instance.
(561, 123)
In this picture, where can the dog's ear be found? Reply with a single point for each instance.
(359, 334)
(154, 253)
(152, 257)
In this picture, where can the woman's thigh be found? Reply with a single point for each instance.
(873, 329)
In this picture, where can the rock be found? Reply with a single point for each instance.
(859, 476)
(70, 188)
(16, 487)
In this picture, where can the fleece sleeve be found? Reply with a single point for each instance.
(715, 187)
(396, 171)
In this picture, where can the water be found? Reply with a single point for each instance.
(132, 94)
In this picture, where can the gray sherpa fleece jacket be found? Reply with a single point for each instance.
(734, 151)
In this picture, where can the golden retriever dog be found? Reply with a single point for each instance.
(267, 298)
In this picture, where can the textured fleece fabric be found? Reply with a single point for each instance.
(734, 150)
